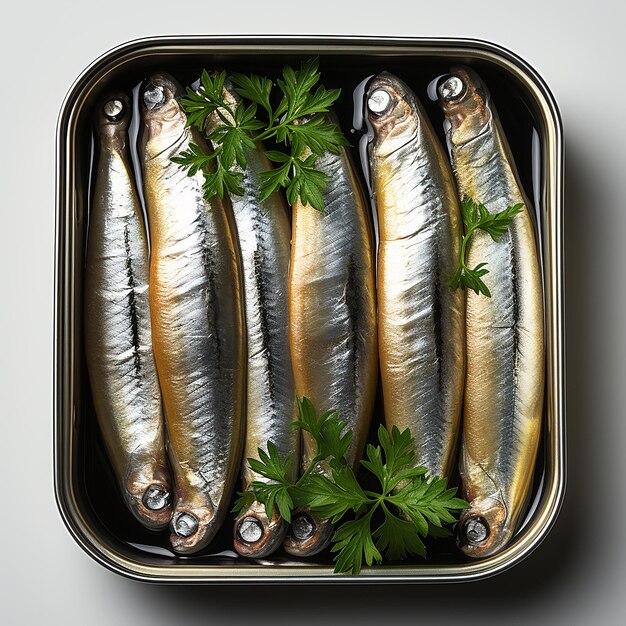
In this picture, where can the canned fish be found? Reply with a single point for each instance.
(85, 485)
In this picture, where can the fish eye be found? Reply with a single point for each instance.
(153, 96)
(185, 524)
(114, 109)
(302, 527)
(451, 88)
(156, 498)
(379, 101)
(250, 530)
(476, 530)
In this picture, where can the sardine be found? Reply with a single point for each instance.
(118, 340)
(197, 320)
(264, 231)
(332, 320)
(505, 345)
(421, 320)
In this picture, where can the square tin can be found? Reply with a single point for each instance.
(531, 119)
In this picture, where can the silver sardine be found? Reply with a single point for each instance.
(118, 340)
(332, 320)
(197, 321)
(264, 231)
(505, 345)
(421, 320)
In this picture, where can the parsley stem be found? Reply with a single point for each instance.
(464, 242)
(371, 494)
(370, 513)
(266, 134)
(309, 470)
(272, 130)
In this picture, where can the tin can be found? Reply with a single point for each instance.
(534, 131)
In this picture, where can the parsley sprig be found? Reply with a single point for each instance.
(477, 217)
(298, 122)
(223, 168)
(331, 442)
(389, 522)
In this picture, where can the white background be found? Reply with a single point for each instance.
(578, 575)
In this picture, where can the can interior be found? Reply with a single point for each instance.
(92, 482)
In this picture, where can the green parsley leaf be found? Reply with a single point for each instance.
(209, 97)
(334, 498)
(468, 278)
(421, 504)
(254, 88)
(399, 452)
(272, 493)
(320, 101)
(328, 431)
(245, 119)
(278, 490)
(278, 157)
(296, 86)
(222, 181)
(194, 159)
(427, 503)
(270, 465)
(315, 134)
(334, 439)
(397, 538)
(307, 183)
(353, 544)
(477, 217)
(398, 448)
(308, 419)
(232, 142)
(298, 121)
(272, 180)
(245, 500)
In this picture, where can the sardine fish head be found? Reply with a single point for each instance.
(113, 113)
(484, 528)
(393, 113)
(256, 535)
(192, 526)
(307, 535)
(466, 103)
(163, 119)
(148, 494)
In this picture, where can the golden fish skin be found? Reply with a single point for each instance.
(505, 344)
(118, 340)
(332, 320)
(421, 320)
(197, 321)
(264, 231)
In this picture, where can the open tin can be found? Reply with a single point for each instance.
(82, 479)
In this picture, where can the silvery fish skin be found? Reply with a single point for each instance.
(197, 321)
(505, 346)
(264, 231)
(421, 320)
(332, 320)
(118, 340)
